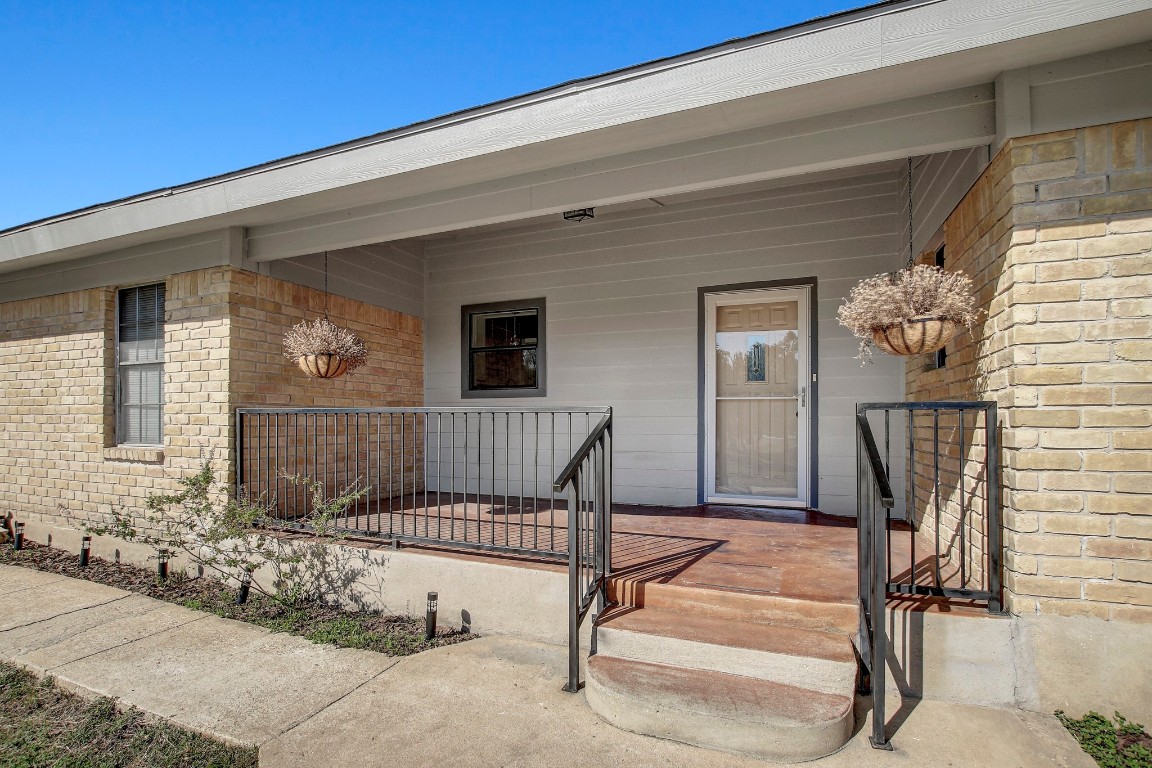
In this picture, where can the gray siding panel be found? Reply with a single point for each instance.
(387, 275)
(1092, 90)
(940, 182)
(622, 312)
(127, 266)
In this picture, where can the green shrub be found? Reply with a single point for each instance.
(1119, 745)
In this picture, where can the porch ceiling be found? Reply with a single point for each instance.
(748, 110)
(712, 193)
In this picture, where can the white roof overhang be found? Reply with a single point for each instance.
(693, 105)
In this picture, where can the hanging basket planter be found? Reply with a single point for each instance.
(324, 350)
(915, 336)
(323, 366)
(915, 311)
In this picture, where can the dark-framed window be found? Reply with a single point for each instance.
(503, 349)
(940, 356)
(140, 365)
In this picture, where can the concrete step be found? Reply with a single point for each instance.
(805, 658)
(718, 710)
(743, 606)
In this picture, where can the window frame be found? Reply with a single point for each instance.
(118, 424)
(467, 312)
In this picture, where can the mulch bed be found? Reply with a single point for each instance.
(392, 635)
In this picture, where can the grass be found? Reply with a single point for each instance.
(1122, 744)
(320, 623)
(43, 726)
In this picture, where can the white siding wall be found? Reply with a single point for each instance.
(623, 320)
(940, 182)
(388, 275)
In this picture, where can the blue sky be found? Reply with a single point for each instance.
(105, 100)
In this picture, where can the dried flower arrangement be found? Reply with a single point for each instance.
(910, 312)
(323, 349)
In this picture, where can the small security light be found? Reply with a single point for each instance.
(579, 214)
(85, 550)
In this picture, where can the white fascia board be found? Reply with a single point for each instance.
(891, 35)
(939, 122)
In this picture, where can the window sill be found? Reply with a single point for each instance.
(137, 455)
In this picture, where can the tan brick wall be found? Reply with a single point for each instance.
(57, 386)
(223, 337)
(1057, 235)
(264, 309)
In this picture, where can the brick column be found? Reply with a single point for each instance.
(1057, 235)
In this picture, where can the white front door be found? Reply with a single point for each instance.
(757, 374)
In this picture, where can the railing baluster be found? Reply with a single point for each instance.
(992, 506)
(439, 459)
(879, 625)
(492, 488)
(452, 486)
(507, 478)
(415, 483)
(888, 510)
(607, 569)
(911, 493)
(479, 476)
(535, 480)
(963, 510)
(552, 490)
(574, 590)
(424, 435)
(936, 491)
(521, 506)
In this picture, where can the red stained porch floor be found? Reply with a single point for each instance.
(793, 554)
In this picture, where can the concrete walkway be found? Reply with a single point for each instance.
(490, 702)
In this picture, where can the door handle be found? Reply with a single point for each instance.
(803, 397)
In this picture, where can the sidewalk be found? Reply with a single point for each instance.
(490, 702)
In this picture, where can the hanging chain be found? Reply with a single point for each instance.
(326, 284)
(910, 251)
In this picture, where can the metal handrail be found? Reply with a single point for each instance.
(872, 453)
(569, 472)
(875, 500)
(435, 409)
(588, 481)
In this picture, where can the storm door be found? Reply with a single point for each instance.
(757, 372)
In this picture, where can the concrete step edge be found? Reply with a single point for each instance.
(806, 672)
(772, 735)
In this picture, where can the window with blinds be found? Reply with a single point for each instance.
(503, 349)
(140, 366)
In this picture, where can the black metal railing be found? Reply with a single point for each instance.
(587, 480)
(929, 526)
(523, 481)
